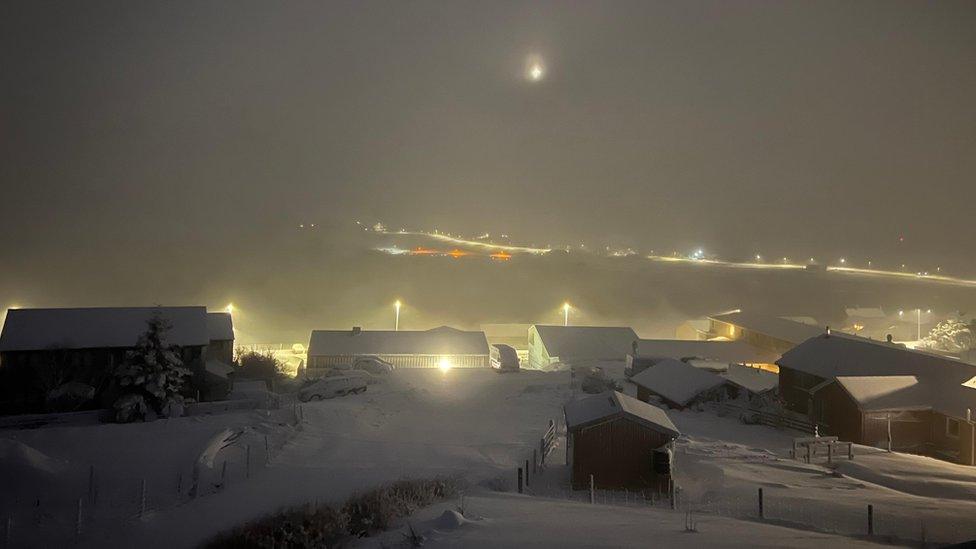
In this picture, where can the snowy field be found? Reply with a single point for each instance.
(476, 424)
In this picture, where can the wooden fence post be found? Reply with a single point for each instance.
(195, 486)
(870, 519)
(247, 461)
(267, 451)
(223, 475)
(830, 452)
(78, 519)
(526, 472)
(592, 492)
(762, 512)
(142, 499)
(91, 485)
(535, 461)
(520, 480)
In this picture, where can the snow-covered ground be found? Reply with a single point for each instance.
(473, 423)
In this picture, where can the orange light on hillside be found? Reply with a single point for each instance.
(456, 253)
(501, 256)
(422, 251)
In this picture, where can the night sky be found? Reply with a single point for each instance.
(177, 129)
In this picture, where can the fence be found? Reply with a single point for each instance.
(779, 420)
(85, 505)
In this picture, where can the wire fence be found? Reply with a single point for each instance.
(84, 505)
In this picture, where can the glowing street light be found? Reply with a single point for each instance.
(566, 314)
(396, 323)
(444, 364)
(229, 308)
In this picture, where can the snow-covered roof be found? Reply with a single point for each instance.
(772, 326)
(220, 326)
(752, 379)
(593, 408)
(879, 393)
(677, 381)
(101, 327)
(438, 341)
(941, 380)
(845, 355)
(587, 342)
(738, 352)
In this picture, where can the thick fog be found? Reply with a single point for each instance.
(156, 152)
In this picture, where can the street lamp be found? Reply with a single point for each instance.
(396, 324)
(565, 314)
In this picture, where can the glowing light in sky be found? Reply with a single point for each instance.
(535, 69)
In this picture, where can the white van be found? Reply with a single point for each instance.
(329, 387)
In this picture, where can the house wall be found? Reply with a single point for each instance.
(27, 376)
(222, 350)
(837, 414)
(910, 431)
(793, 387)
(942, 442)
(757, 339)
(617, 453)
(538, 357)
(402, 361)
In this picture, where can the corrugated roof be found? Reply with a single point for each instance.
(738, 352)
(438, 341)
(587, 342)
(773, 326)
(220, 326)
(593, 408)
(677, 381)
(101, 327)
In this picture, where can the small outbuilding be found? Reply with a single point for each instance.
(621, 442)
(680, 385)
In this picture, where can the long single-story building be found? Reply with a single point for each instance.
(578, 345)
(729, 352)
(41, 349)
(880, 394)
(771, 333)
(442, 347)
(619, 440)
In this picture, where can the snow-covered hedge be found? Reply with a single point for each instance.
(323, 525)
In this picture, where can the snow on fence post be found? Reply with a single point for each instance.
(762, 512)
(592, 495)
(142, 499)
(870, 519)
(520, 480)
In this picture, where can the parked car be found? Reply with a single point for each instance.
(369, 378)
(503, 358)
(373, 365)
(329, 387)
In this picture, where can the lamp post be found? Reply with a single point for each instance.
(565, 314)
(396, 324)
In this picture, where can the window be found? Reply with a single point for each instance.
(952, 427)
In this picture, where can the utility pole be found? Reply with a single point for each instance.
(396, 325)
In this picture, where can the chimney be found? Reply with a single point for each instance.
(888, 338)
(356, 330)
